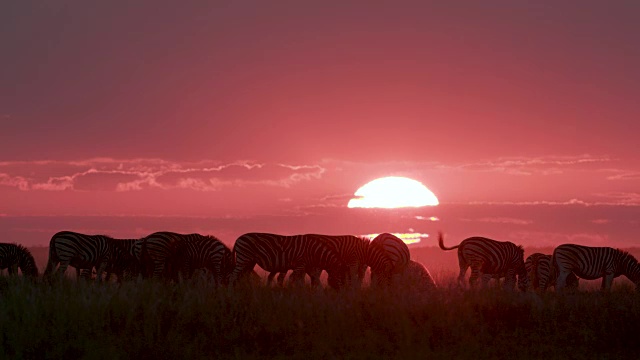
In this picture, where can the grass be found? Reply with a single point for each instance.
(151, 320)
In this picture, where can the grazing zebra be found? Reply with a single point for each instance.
(486, 256)
(14, 256)
(542, 274)
(157, 251)
(204, 252)
(592, 263)
(121, 266)
(352, 252)
(303, 254)
(416, 277)
(85, 252)
(387, 256)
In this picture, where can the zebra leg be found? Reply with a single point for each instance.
(281, 277)
(463, 271)
(62, 269)
(297, 278)
(510, 280)
(271, 276)
(99, 270)
(486, 278)
(607, 280)
(83, 274)
(543, 282)
(476, 272)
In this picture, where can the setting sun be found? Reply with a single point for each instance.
(393, 192)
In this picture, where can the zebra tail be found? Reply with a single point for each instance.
(441, 243)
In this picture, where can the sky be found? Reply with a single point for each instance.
(125, 118)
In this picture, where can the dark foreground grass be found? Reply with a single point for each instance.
(149, 320)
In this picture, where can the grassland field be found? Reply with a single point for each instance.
(193, 320)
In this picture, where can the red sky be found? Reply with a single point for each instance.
(253, 116)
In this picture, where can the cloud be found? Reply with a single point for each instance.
(501, 220)
(525, 166)
(622, 199)
(107, 174)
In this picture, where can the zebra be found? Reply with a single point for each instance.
(416, 276)
(157, 251)
(592, 263)
(304, 254)
(352, 251)
(487, 256)
(14, 256)
(542, 274)
(204, 251)
(387, 256)
(84, 252)
(126, 266)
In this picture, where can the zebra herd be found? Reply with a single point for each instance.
(345, 258)
(173, 256)
(497, 259)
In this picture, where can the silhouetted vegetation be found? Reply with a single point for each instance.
(152, 320)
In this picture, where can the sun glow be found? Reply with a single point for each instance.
(393, 192)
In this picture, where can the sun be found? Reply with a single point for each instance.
(393, 192)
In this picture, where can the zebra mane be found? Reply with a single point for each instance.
(626, 255)
(211, 237)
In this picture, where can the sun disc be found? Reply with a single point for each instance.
(393, 192)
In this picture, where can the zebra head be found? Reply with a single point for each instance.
(228, 263)
(26, 262)
(521, 270)
(630, 268)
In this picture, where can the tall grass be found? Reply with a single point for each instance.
(194, 320)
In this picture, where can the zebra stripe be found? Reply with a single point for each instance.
(543, 274)
(157, 251)
(14, 256)
(78, 250)
(84, 252)
(387, 256)
(592, 263)
(352, 252)
(304, 254)
(487, 256)
(125, 266)
(204, 252)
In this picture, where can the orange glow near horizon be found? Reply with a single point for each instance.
(393, 192)
(408, 238)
